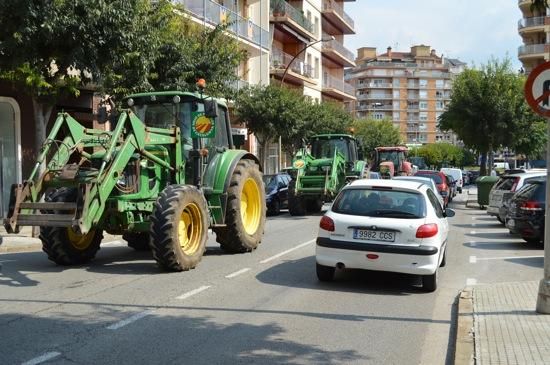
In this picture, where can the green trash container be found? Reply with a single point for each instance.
(484, 185)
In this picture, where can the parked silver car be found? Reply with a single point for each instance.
(505, 188)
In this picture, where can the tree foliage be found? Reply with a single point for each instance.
(488, 110)
(376, 133)
(440, 154)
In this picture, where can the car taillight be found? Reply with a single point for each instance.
(327, 224)
(516, 182)
(531, 206)
(426, 230)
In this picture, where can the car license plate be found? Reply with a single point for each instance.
(366, 234)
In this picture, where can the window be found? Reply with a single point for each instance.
(423, 105)
(396, 105)
(396, 82)
(423, 83)
(316, 27)
(435, 203)
(378, 116)
(423, 94)
(396, 94)
(439, 105)
(316, 72)
(439, 84)
(439, 94)
(396, 115)
(423, 116)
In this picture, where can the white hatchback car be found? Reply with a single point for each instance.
(384, 225)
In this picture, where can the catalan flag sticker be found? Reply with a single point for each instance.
(202, 126)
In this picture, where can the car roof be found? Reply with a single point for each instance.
(527, 174)
(413, 185)
(414, 178)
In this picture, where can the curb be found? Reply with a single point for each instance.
(465, 345)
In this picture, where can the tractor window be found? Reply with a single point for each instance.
(162, 115)
(221, 138)
(325, 148)
(390, 156)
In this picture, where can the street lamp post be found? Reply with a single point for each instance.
(302, 51)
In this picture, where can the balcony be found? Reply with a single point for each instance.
(215, 14)
(533, 51)
(298, 72)
(337, 88)
(375, 97)
(337, 52)
(527, 24)
(334, 13)
(371, 85)
(284, 13)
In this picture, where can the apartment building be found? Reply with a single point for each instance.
(534, 29)
(307, 49)
(411, 89)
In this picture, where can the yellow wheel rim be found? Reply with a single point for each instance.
(80, 241)
(251, 206)
(190, 229)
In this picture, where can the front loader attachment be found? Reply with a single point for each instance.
(87, 161)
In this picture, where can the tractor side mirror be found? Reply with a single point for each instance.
(210, 108)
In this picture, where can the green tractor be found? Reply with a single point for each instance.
(321, 169)
(162, 178)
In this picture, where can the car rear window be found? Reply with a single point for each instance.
(540, 192)
(506, 183)
(435, 177)
(380, 202)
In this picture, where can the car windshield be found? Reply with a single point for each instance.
(373, 202)
(434, 177)
(270, 182)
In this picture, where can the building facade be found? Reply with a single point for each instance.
(411, 89)
(534, 29)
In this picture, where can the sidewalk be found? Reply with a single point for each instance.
(497, 324)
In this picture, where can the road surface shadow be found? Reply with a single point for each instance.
(528, 261)
(490, 235)
(301, 274)
(478, 226)
(491, 245)
(187, 337)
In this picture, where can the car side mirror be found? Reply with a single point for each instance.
(449, 213)
(210, 108)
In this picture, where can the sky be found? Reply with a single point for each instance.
(470, 30)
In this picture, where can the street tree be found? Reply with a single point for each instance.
(376, 133)
(317, 118)
(483, 110)
(270, 112)
(441, 154)
(51, 48)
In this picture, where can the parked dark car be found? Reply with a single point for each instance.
(276, 192)
(451, 182)
(507, 199)
(440, 181)
(526, 212)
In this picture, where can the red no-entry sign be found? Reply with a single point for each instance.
(537, 89)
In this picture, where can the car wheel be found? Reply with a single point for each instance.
(275, 208)
(531, 240)
(325, 273)
(429, 282)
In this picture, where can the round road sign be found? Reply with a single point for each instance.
(537, 89)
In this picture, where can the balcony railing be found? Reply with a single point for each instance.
(339, 9)
(213, 13)
(532, 49)
(338, 47)
(531, 22)
(282, 8)
(331, 82)
(280, 60)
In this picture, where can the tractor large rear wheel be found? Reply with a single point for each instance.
(296, 205)
(179, 228)
(246, 210)
(64, 245)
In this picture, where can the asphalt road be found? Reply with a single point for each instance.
(266, 307)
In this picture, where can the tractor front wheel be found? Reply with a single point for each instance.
(296, 205)
(246, 210)
(64, 245)
(179, 228)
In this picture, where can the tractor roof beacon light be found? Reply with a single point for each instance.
(201, 84)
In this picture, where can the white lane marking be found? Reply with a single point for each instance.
(473, 232)
(472, 243)
(127, 321)
(287, 251)
(193, 292)
(237, 273)
(510, 257)
(471, 281)
(40, 359)
(473, 259)
(1, 261)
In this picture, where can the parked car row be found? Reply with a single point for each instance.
(517, 200)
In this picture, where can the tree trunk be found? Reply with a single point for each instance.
(483, 164)
(42, 113)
